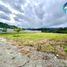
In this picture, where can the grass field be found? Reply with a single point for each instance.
(34, 36)
(36, 40)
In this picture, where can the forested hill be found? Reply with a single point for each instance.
(50, 30)
(4, 25)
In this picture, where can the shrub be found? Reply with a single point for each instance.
(17, 29)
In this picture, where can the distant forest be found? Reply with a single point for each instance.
(50, 30)
(55, 30)
(4, 25)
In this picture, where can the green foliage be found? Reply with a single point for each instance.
(65, 48)
(54, 30)
(35, 36)
(17, 29)
(4, 25)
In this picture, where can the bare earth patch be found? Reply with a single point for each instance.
(12, 55)
(46, 45)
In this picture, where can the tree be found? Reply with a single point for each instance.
(17, 29)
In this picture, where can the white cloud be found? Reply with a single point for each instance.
(34, 13)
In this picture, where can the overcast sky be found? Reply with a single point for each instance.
(33, 13)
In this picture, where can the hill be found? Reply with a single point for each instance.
(49, 30)
(4, 25)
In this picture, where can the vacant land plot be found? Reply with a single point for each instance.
(46, 42)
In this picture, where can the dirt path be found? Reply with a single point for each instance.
(10, 56)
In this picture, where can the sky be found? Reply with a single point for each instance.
(33, 13)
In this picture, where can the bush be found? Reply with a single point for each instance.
(17, 29)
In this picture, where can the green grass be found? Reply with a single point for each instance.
(65, 48)
(34, 36)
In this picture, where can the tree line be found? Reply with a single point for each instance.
(6, 26)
